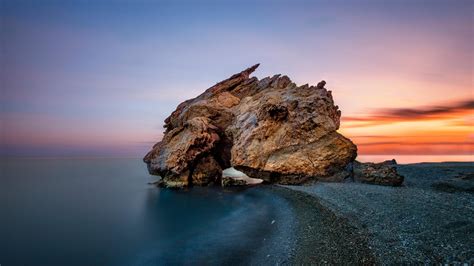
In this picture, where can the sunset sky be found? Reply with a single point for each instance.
(97, 78)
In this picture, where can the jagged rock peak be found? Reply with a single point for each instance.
(246, 73)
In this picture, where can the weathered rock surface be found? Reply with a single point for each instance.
(270, 129)
(384, 173)
(232, 182)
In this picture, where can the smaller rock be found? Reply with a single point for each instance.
(389, 162)
(384, 173)
(232, 182)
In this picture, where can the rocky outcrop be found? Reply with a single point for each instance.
(270, 129)
(384, 173)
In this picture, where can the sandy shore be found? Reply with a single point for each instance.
(347, 222)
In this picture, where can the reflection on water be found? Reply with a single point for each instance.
(101, 212)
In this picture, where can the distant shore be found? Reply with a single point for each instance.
(419, 222)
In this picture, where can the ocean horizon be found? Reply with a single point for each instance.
(401, 159)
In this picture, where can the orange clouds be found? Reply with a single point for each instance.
(439, 129)
(391, 115)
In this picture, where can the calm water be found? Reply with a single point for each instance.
(102, 212)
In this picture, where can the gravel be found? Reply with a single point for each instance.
(322, 237)
(414, 223)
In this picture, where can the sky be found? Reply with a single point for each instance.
(97, 78)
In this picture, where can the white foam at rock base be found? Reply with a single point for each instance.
(237, 175)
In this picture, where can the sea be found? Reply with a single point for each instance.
(100, 211)
(103, 211)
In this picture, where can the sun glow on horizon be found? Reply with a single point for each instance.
(440, 130)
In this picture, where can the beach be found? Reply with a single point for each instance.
(415, 223)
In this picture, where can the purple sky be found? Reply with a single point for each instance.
(97, 78)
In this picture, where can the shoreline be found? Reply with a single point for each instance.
(321, 236)
(415, 223)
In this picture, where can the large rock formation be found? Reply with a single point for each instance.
(270, 129)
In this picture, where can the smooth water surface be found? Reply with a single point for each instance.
(102, 212)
